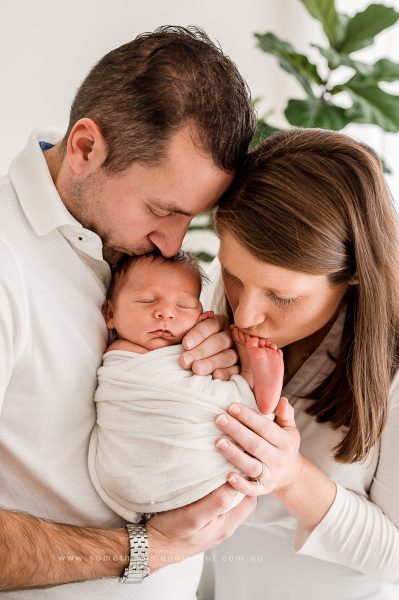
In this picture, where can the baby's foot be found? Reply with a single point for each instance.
(262, 366)
(268, 372)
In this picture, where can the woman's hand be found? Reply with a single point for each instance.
(208, 349)
(271, 448)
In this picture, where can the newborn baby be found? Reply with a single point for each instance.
(153, 446)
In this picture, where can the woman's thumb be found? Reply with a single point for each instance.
(284, 413)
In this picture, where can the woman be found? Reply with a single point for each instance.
(309, 258)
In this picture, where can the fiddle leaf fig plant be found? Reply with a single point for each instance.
(322, 105)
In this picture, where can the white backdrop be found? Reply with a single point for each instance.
(47, 47)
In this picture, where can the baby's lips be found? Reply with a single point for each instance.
(165, 333)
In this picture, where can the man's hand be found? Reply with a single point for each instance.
(177, 534)
(209, 349)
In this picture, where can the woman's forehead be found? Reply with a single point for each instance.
(239, 262)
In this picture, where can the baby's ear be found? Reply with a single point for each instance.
(108, 313)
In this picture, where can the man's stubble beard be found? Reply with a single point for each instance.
(83, 200)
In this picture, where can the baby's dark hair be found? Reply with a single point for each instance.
(121, 270)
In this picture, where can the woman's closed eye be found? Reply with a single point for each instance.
(282, 300)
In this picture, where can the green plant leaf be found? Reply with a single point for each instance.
(313, 112)
(336, 60)
(263, 130)
(204, 256)
(364, 26)
(333, 57)
(290, 60)
(333, 22)
(366, 74)
(369, 75)
(373, 105)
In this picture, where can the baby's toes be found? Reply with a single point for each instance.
(270, 344)
(251, 341)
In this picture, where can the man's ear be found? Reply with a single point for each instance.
(108, 312)
(86, 147)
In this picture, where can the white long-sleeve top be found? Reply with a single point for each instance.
(353, 553)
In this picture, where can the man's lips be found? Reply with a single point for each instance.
(164, 333)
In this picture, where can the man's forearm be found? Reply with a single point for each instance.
(36, 553)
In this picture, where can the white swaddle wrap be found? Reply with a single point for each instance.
(153, 447)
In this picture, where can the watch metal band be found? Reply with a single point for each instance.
(138, 568)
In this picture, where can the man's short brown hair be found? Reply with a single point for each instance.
(142, 92)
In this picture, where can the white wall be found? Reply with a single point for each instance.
(47, 47)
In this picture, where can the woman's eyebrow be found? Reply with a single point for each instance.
(229, 273)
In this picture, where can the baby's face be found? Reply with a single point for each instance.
(156, 305)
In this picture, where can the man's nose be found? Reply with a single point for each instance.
(169, 241)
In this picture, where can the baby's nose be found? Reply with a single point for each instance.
(165, 312)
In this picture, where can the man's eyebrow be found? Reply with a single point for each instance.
(169, 206)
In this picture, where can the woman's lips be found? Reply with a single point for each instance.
(164, 333)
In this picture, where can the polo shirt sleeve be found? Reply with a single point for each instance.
(13, 315)
(363, 533)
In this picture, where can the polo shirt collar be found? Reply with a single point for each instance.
(35, 188)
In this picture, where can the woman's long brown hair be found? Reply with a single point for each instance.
(316, 201)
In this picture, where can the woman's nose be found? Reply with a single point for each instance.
(247, 315)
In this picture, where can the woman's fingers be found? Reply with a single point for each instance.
(248, 440)
(285, 413)
(247, 426)
(244, 462)
(249, 488)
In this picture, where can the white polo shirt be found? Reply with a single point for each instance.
(52, 336)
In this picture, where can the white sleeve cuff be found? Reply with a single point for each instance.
(355, 533)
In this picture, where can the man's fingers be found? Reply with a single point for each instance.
(203, 330)
(212, 506)
(222, 360)
(206, 353)
(236, 516)
(225, 374)
(197, 527)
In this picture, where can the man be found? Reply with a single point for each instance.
(156, 133)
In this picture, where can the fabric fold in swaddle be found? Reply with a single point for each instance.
(153, 447)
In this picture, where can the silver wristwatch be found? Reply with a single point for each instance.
(138, 568)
